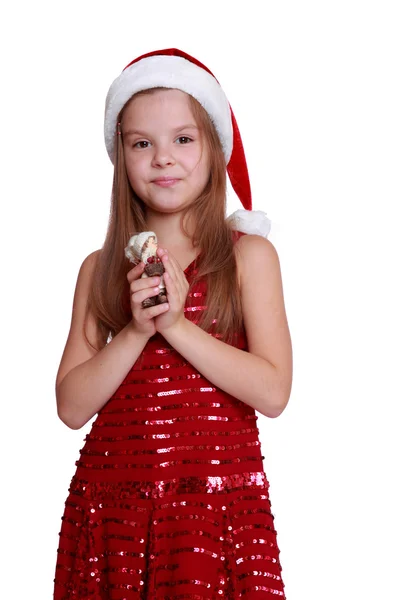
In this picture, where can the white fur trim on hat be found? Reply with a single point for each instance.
(170, 72)
(251, 221)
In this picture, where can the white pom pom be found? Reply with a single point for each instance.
(251, 222)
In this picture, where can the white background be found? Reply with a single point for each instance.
(315, 89)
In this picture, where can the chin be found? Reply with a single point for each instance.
(168, 204)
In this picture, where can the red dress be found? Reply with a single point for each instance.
(169, 499)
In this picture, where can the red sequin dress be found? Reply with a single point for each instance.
(169, 499)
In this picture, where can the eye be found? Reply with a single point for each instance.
(183, 139)
(141, 144)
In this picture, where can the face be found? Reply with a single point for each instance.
(166, 161)
(151, 245)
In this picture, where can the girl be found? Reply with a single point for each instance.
(169, 498)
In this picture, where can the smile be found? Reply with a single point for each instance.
(165, 181)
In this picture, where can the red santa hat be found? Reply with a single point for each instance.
(172, 68)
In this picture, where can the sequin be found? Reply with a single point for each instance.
(169, 499)
(142, 408)
(188, 448)
(194, 308)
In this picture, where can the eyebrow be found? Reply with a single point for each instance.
(180, 128)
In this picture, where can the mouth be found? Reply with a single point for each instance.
(165, 181)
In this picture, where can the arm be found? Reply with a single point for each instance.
(87, 378)
(261, 377)
(88, 386)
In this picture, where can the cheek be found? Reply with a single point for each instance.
(199, 163)
(134, 168)
(204, 169)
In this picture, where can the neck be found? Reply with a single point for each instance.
(168, 228)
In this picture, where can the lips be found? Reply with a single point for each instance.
(158, 179)
(165, 181)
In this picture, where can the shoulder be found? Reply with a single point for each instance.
(253, 242)
(90, 261)
(255, 253)
(87, 267)
(84, 279)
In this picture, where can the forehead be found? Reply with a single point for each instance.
(166, 103)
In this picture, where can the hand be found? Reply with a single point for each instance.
(177, 287)
(140, 289)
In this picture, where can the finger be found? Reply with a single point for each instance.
(135, 272)
(169, 264)
(170, 284)
(176, 293)
(178, 285)
(144, 283)
(179, 272)
(178, 277)
(154, 311)
(138, 297)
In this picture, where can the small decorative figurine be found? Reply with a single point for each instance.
(143, 247)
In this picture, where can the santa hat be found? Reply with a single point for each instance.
(172, 68)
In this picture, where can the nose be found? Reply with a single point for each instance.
(163, 156)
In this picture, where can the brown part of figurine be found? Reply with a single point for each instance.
(161, 298)
(155, 268)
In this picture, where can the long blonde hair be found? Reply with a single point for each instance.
(109, 295)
